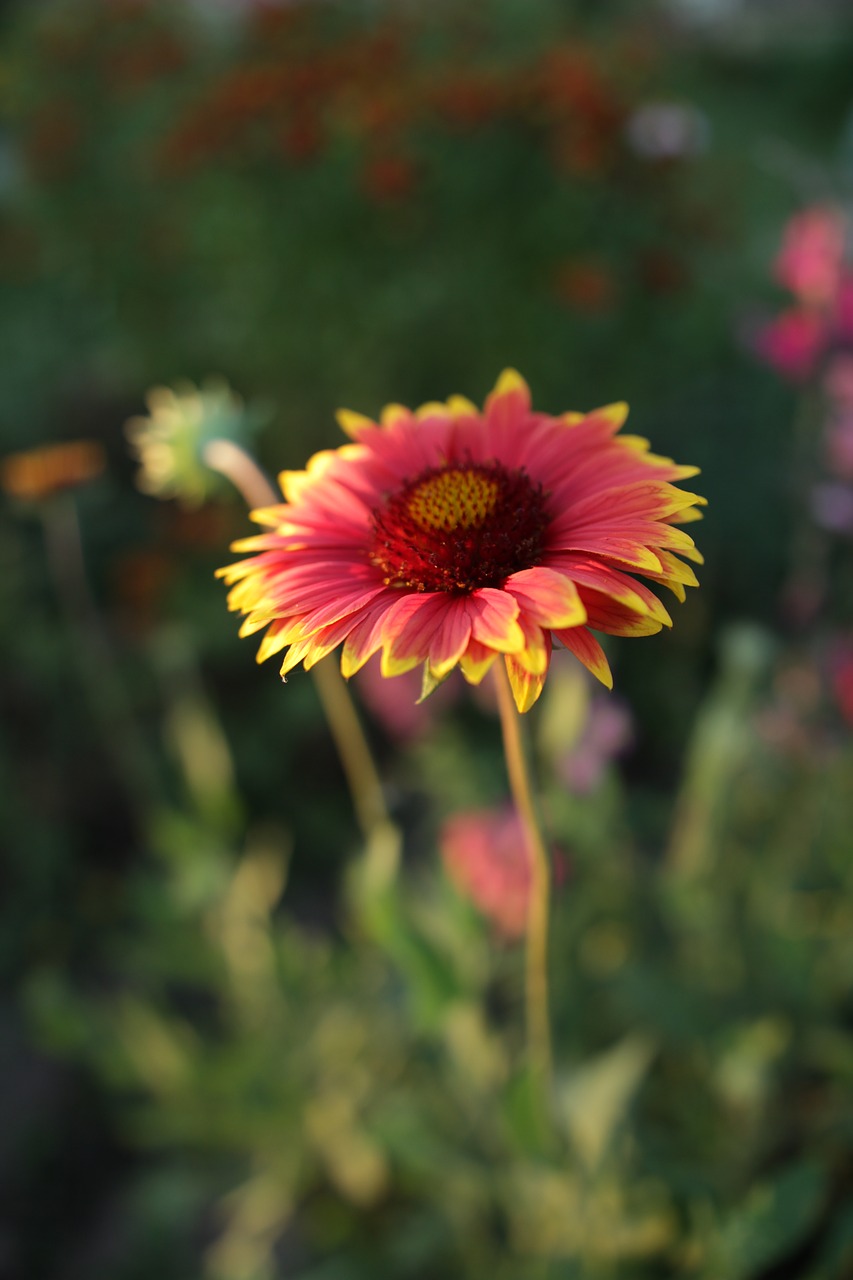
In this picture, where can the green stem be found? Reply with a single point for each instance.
(98, 666)
(352, 746)
(536, 955)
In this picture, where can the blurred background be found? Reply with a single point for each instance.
(240, 1039)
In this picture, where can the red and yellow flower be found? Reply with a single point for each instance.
(450, 537)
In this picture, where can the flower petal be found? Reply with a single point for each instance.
(510, 399)
(536, 654)
(476, 661)
(408, 628)
(587, 650)
(451, 639)
(526, 686)
(494, 622)
(549, 597)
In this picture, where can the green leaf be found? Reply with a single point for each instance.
(774, 1219)
(430, 683)
(596, 1096)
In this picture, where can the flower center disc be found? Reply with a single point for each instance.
(458, 528)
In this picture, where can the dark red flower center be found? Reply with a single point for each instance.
(460, 527)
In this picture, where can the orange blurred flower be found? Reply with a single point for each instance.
(51, 468)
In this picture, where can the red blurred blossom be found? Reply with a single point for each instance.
(842, 681)
(570, 83)
(467, 100)
(302, 138)
(812, 255)
(792, 342)
(486, 855)
(811, 265)
(389, 178)
(394, 703)
(585, 284)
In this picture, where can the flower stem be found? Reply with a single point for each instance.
(536, 956)
(100, 674)
(352, 746)
(353, 749)
(240, 468)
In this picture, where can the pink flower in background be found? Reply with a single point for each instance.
(485, 855)
(838, 437)
(811, 266)
(832, 507)
(843, 684)
(792, 342)
(838, 381)
(394, 703)
(812, 255)
(608, 732)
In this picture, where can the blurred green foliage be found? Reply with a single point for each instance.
(237, 1043)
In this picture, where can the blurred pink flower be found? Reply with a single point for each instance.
(812, 255)
(792, 342)
(838, 432)
(608, 732)
(839, 443)
(486, 856)
(832, 507)
(842, 313)
(842, 682)
(838, 381)
(811, 264)
(394, 703)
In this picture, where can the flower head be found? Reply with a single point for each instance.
(486, 856)
(51, 468)
(452, 537)
(811, 259)
(170, 441)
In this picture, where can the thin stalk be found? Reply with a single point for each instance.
(536, 955)
(352, 746)
(98, 666)
(353, 749)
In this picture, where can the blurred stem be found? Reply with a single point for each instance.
(352, 746)
(353, 749)
(244, 473)
(536, 956)
(97, 664)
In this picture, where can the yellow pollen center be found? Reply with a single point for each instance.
(453, 499)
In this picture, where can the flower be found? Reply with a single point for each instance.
(842, 679)
(811, 259)
(586, 284)
(792, 342)
(486, 856)
(667, 131)
(607, 733)
(811, 264)
(50, 469)
(397, 705)
(451, 537)
(170, 442)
